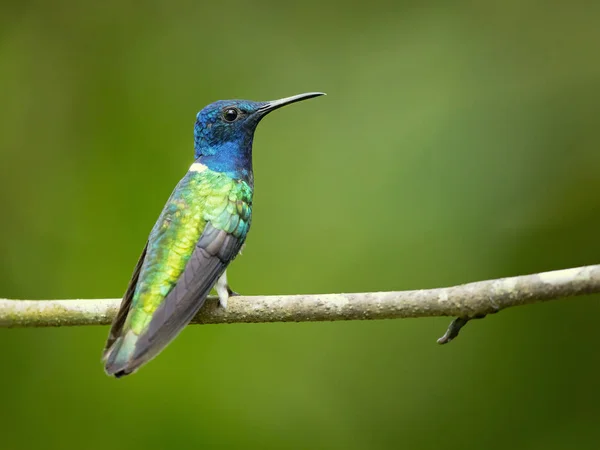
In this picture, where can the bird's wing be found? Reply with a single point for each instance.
(214, 251)
(173, 284)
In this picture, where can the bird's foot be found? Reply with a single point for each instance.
(224, 291)
(223, 297)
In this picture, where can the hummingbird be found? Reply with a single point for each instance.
(200, 230)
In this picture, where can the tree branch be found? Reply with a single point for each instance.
(466, 302)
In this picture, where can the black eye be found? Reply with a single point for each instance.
(230, 114)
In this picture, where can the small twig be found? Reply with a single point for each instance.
(453, 330)
(466, 302)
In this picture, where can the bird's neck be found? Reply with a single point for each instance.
(230, 158)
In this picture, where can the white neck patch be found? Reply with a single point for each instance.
(198, 167)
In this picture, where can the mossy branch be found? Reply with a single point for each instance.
(466, 302)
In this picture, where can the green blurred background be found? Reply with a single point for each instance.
(459, 142)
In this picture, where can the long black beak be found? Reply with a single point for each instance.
(275, 104)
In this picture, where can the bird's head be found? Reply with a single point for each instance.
(228, 122)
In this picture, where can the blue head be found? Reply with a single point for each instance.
(224, 132)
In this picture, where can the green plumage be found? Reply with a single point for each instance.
(199, 198)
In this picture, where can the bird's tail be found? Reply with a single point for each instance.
(117, 359)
